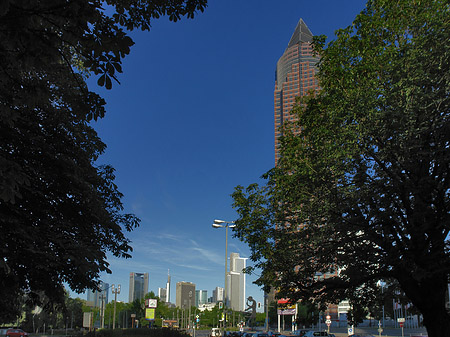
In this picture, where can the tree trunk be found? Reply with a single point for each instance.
(437, 323)
(428, 294)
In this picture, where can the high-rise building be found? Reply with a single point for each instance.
(201, 297)
(185, 295)
(236, 291)
(168, 287)
(217, 295)
(294, 77)
(138, 286)
(162, 294)
(94, 298)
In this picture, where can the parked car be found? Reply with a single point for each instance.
(215, 332)
(16, 333)
(260, 334)
(300, 333)
(316, 334)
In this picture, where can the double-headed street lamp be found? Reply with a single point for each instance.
(226, 225)
(115, 291)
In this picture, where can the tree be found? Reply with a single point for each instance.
(361, 193)
(308, 314)
(60, 213)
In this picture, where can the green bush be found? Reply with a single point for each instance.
(139, 332)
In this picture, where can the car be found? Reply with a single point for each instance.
(300, 333)
(260, 334)
(16, 333)
(215, 332)
(316, 334)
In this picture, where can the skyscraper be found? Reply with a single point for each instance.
(162, 294)
(138, 286)
(185, 295)
(201, 297)
(237, 282)
(217, 294)
(168, 287)
(94, 298)
(294, 77)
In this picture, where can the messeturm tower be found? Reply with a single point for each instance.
(294, 76)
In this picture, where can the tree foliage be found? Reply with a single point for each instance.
(60, 213)
(361, 194)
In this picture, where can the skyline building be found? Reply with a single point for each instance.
(217, 294)
(236, 291)
(94, 298)
(294, 77)
(201, 297)
(168, 287)
(138, 286)
(185, 295)
(162, 294)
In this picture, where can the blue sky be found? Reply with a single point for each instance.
(192, 119)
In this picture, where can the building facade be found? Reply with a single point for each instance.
(94, 298)
(185, 295)
(162, 294)
(217, 295)
(201, 297)
(138, 286)
(294, 77)
(236, 291)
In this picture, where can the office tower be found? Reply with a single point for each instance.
(294, 77)
(217, 294)
(162, 294)
(236, 282)
(185, 295)
(94, 298)
(168, 287)
(138, 286)
(201, 297)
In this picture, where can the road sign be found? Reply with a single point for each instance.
(401, 324)
(350, 331)
(401, 320)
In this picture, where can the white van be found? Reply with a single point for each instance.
(215, 332)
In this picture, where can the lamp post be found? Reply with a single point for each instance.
(115, 291)
(226, 225)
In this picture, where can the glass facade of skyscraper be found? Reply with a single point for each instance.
(294, 77)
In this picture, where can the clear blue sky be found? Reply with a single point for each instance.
(193, 118)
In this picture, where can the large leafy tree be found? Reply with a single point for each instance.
(363, 189)
(59, 212)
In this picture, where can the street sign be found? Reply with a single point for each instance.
(151, 303)
(401, 324)
(350, 331)
(401, 320)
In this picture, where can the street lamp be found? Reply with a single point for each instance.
(226, 225)
(115, 291)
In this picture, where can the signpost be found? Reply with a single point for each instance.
(150, 309)
(401, 321)
(328, 322)
(380, 329)
(350, 330)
